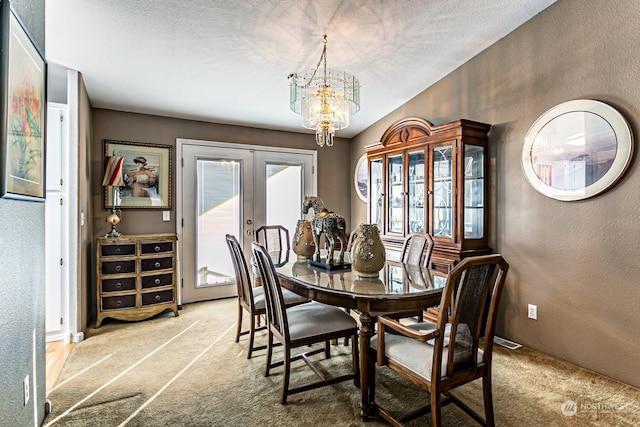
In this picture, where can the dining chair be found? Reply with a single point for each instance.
(416, 249)
(439, 357)
(352, 238)
(273, 237)
(250, 298)
(301, 326)
(276, 239)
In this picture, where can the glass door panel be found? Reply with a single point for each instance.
(396, 195)
(218, 204)
(283, 207)
(416, 192)
(377, 195)
(442, 168)
(283, 179)
(215, 192)
(474, 192)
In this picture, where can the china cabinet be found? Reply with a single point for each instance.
(136, 276)
(426, 178)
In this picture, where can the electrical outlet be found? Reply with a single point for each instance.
(25, 389)
(533, 311)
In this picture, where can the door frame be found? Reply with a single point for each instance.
(181, 142)
(58, 247)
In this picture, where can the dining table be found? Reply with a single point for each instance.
(397, 288)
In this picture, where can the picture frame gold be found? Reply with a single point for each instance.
(154, 163)
(22, 111)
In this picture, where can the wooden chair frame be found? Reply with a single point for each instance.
(484, 275)
(417, 243)
(246, 298)
(279, 327)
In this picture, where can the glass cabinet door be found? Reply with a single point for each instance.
(376, 199)
(474, 192)
(396, 195)
(416, 192)
(442, 168)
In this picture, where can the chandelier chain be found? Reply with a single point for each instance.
(323, 56)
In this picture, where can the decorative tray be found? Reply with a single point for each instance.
(330, 267)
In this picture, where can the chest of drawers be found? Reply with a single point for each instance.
(136, 276)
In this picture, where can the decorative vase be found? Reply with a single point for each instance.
(367, 253)
(303, 244)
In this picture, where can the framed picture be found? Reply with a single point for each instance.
(360, 178)
(23, 72)
(147, 176)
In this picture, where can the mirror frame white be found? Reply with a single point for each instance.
(623, 156)
(360, 177)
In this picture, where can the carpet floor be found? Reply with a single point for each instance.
(188, 371)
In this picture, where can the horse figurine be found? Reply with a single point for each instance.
(331, 224)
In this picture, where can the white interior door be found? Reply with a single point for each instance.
(56, 216)
(230, 188)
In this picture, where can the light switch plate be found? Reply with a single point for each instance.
(166, 215)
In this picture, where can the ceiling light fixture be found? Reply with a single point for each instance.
(325, 101)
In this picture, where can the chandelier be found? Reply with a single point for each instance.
(325, 101)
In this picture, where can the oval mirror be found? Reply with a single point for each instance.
(577, 150)
(360, 178)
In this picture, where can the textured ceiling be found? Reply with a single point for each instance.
(228, 61)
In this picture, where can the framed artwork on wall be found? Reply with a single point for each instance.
(147, 176)
(22, 111)
(360, 178)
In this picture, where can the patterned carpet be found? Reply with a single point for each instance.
(188, 371)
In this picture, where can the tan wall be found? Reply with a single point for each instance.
(577, 261)
(333, 163)
(85, 239)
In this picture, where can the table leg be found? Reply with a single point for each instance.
(365, 340)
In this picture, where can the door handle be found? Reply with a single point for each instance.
(249, 232)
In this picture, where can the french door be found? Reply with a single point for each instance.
(230, 188)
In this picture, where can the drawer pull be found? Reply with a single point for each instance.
(157, 297)
(157, 281)
(157, 248)
(118, 285)
(157, 264)
(118, 303)
(118, 267)
(118, 250)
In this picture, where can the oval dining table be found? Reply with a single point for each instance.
(397, 288)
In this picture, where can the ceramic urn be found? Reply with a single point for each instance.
(367, 253)
(303, 244)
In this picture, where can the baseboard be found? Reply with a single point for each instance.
(60, 336)
(77, 337)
